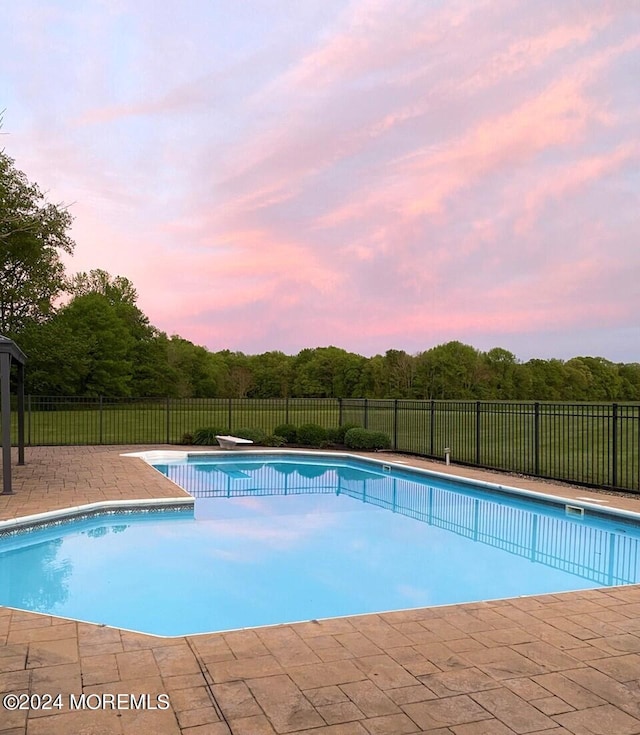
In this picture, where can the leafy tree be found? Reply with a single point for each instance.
(327, 372)
(577, 381)
(239, 375)
(523, 382)
(117, 289)
(107, 345)
(629, 381)
(310, 379)
(152, 375)
(351, 382)
(373, 378)
(196, 369)
(602, 377)
(57, 358)
(448, 371)
(499, 376)
(120, 294)
(33, 233)
(400, 371)
(271, 375)
(546, 379)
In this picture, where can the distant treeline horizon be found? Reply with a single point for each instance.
(101, 343)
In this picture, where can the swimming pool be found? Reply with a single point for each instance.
(278, 537)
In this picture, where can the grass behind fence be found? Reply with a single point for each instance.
(591, 444)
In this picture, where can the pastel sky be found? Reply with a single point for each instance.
(373, 174)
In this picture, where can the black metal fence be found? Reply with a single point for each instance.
(583, 443)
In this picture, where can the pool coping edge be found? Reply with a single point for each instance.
(104, 507)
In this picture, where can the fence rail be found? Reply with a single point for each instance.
(584, 443)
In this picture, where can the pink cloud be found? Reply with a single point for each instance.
(556, 117)
(245, 268)
(566, 181)
(525, 54)
(366, 173)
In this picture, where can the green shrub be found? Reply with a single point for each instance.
(366, 440)
(207, 435)
(187, 438)
(342, 430)
(311, 435)
(287, 431)
(333, 436)
(274, 440)
(336, 434)
(256, 435)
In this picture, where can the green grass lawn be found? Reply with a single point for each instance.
(573, 442)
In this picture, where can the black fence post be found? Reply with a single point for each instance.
(286, 410)
(168, 422)
(339, 411)
(229, 414)
(395, 423)
(366, 413)
(29, 420)
(100, 421)
(478, 432)
(614, 446)
(432, 426)
(536, 438)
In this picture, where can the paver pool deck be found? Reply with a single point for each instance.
(553, 664)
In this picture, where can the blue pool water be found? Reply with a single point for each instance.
(275, 538)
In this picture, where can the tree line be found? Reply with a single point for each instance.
(97, 341)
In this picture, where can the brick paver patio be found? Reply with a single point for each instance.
(553, 664)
